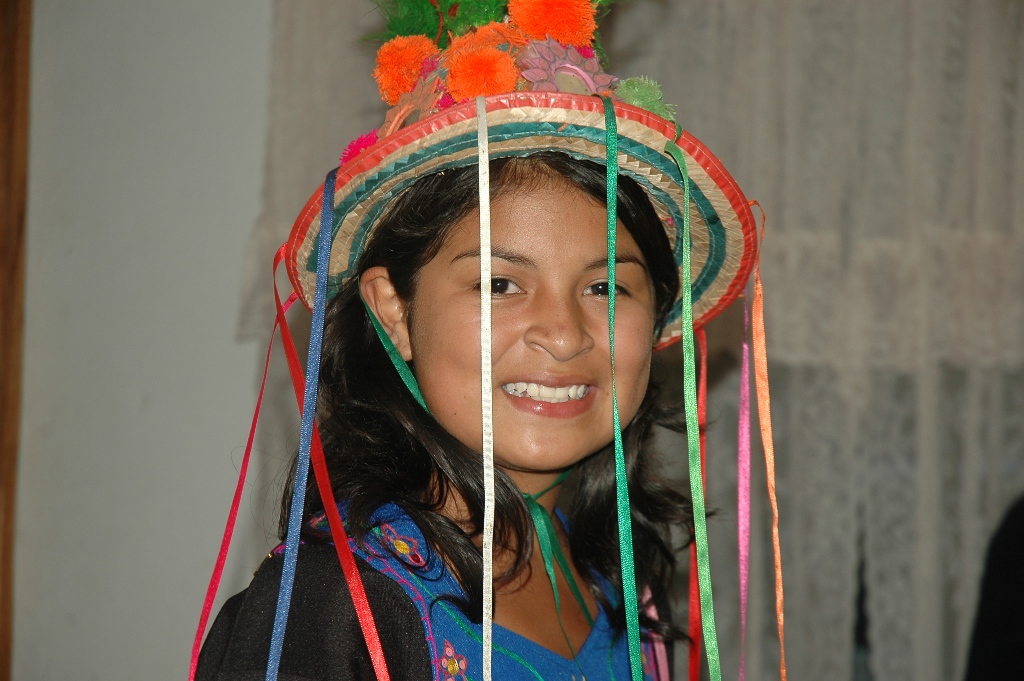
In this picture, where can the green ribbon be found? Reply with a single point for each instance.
(551, 550)
(396, 358)
(707, 606)
(629, 597)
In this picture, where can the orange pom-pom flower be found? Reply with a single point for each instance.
(490, 35)
(496, 33)
(570, 22)
(399, 62)
(487, 71)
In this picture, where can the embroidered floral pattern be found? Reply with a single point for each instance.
(452, 664)
(407, 548)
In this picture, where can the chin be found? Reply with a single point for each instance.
(538, 462)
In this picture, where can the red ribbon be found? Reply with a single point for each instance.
(323, 483)
(345, 556)
(702, 415)
(229, 528)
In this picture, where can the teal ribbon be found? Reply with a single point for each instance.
(700, 528)
(625, 518)
(551, 550)
(396, 358)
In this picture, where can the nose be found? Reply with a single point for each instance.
(558, 325)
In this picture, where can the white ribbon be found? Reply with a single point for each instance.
(483, 163)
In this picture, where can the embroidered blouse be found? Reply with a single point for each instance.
(423, 633)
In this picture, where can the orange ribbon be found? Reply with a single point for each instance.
(764, 414)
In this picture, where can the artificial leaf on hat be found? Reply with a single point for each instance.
(645, 93)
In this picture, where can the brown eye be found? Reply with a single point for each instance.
(601, 289)
(503, 287)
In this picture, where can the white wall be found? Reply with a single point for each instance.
(147, 139)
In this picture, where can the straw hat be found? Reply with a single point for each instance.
(542, 94)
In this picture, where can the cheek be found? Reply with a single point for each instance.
(446, 361)
(633, 351)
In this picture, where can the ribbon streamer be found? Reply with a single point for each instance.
(662, 671)
(291, 550)
(702, 417)
(229, 527)
(397, 361)
(743, 485)
(551, 551)
(700, 527)
(625, 518)
(764, 413)
(346, 559)
(486, 389)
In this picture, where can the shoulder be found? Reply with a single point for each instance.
(323, 639)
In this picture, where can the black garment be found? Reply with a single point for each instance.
(323, 640)
(997, 646)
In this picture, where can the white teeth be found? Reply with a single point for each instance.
(544, 393)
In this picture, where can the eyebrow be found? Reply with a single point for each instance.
(626, 259)
(507, 256)
(523, 261)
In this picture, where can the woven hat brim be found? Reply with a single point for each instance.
(723, 232)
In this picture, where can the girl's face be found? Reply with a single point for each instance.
(552, 392)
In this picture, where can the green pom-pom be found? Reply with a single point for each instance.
(460, 17)
(645, 93)
(408, 17)
(421, 17)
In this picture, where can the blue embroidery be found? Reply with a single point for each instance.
(399, 550)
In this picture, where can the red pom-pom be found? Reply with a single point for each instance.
(357, 145)
(488, 71)
(586, 51)
(399, 62)
(570, 22)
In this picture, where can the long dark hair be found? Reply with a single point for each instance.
(382, 447)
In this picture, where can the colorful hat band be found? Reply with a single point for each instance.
(519, 124)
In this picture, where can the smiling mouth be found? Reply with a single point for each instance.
(544, 393)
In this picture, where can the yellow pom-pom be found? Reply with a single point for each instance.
(399, 61)
(570, 22)
(487, 71)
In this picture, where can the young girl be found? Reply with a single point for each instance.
(555, 564)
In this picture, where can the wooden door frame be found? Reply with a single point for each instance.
(15, 35)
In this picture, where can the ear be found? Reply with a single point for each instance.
(391, 311)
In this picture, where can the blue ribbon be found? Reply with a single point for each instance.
(316, 334)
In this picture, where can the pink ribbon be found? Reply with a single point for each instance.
(743, 484)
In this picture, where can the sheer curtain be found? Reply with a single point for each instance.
(885, 141)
